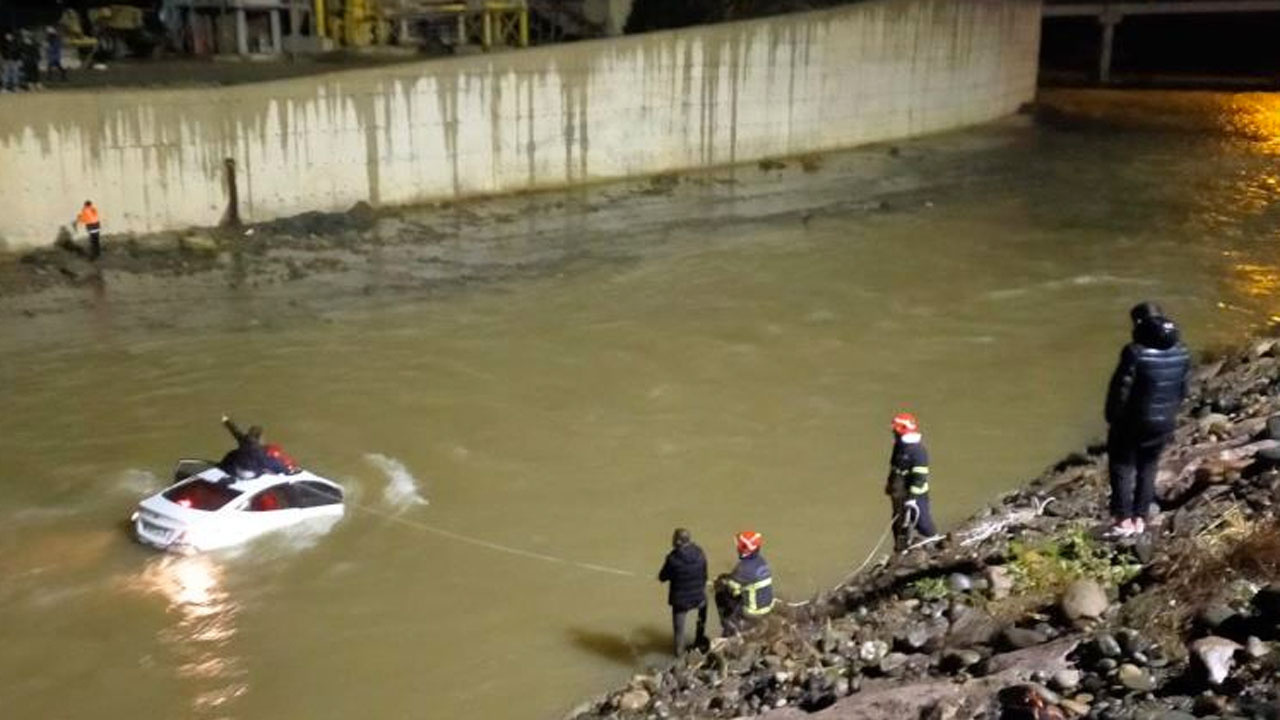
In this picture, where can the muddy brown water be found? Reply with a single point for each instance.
(720, 352)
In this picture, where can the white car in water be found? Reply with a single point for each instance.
(207, 509)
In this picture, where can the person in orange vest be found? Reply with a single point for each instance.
(89, 218)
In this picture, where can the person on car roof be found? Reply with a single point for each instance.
(250, 458)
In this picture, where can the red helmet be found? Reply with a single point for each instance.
(748, 541)
(904, 423)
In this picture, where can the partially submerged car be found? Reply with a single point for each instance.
(207, 509)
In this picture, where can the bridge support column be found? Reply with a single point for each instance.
(1108, 20)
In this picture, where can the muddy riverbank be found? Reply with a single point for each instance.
(1027, 611)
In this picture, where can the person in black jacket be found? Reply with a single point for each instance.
(686, 570)
(249, 458)
(1146, 391)
(908, 483)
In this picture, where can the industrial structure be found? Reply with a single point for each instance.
(250, 27)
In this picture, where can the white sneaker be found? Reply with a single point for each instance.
(1122, 529)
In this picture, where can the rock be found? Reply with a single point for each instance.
(1020, 638)
(633, 701)
(893, 663)
(999, 582)
(1264, 348)
(1214, 615)
(1074, 708)
(1216, 423)
(1273, 427)
(199, 242)
(1107, 645)
(1135, 678)
(1267, 602)
(1210, 704)
(972, 626)
(1256, 648)
(1131, 643)
(1065, 680)
(1175, 715)
(1084, 599)
(959, 583)
(954, 660)
(1216, 655)
(873, 651)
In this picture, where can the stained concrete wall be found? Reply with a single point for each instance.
(551, 116)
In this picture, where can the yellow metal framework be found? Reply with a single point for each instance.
(487, 22)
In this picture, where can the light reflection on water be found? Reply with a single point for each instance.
(204, 626)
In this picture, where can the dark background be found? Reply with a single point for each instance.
(1241, 44)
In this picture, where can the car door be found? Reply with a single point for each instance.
(268, 509)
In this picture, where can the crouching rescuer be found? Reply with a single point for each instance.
(908, 483)
(745, 596)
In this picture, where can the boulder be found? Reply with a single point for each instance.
(1074, 708)
(1214, 615)
(1065, 680)
(1215, 656)
(1267, 602)
(1084, 599)
(633, 701)
(954, 660)
(893, 663)
(1019, 638)
(972, 626)
(1135, 678)
(1256, 648)
(999, 582)
(199, 242)
(873, 651)
(959, 583)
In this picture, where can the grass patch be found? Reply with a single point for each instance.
(930, 588)
(1041, 571)
(1048, 567)
(1198, 570)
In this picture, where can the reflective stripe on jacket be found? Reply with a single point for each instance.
(753, 581)
(909, 469)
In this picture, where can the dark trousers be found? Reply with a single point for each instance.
(95, 240)
(906, 520)
(677, 627)
(1132, 465)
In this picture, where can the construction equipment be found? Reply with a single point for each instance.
(122, 30)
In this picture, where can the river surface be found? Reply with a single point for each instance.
(720, 354)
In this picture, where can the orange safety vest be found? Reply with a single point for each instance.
(88, 216)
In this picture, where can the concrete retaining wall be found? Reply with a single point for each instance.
(154, 160)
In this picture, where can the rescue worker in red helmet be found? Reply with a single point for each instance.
(745, 596)
(908, 483)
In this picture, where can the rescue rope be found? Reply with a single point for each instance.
(478, 542)
(884, 535)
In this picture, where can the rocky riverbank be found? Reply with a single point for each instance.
(1026, 611)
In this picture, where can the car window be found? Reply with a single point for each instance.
(270, 499)
(307, 493)
(201, 495)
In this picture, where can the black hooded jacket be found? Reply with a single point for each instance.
(1149, 383)
(686, 569)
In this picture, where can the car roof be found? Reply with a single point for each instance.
(262, 482)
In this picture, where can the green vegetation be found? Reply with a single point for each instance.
(930, 588)
(1047, 567)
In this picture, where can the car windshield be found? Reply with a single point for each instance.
(201, 495)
